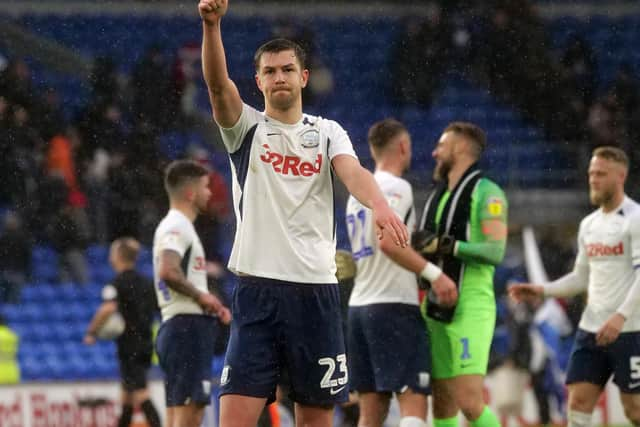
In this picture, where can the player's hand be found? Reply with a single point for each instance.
(345, 266)
(526, 292)
(445, 290)
(209, 303)
(609, 332)
(224, 314)
(386, 221)
(89, 339)
(425, 242)
(212, 10)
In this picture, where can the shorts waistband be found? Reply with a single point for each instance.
(264, 281)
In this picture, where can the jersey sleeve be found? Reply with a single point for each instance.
(174, 239)
(634, 237)
(582, 261)
(234, 136)
(339, 141)
(109, 293)
(489, 226)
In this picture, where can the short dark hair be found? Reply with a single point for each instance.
(472, 132)
(179, 172)
(127, 248)
(612, 153)
(280, 45)
(380, 133)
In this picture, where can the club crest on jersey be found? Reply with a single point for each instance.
(290, 165)
(494, 206)
(310, 138)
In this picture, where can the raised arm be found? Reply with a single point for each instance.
(223, 93)
(363, 187)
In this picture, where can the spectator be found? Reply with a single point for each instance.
(150, 81)
(186, 72)
(15, 83)
(69, 233)
(15, 258)
(321, 85)
(422, 50)
(60, 157)
(579, 66)
(209, 224)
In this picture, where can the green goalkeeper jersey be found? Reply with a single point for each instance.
(485, 246)
(462, 346)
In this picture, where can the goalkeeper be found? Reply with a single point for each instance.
(463, 230)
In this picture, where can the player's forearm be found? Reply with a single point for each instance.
(362, 185)
(405, 257)
(175, 279)
(101, 316)
(214, 63)
(632, 300)
(491, 252)
(568, 285)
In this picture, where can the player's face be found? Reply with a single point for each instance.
(443, 155)
(605, 179)
(202, 194)
(113, 255)
(281, 79)
(405, 141)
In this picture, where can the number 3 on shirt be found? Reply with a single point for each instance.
(356, 227)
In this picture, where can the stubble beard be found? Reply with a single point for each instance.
(442, 170)
(599, 198)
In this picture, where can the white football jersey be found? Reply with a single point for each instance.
(609, 245)
(176, 233)
(283, 196)
(378, 278)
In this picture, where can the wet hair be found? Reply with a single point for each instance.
(472, 133)
(614, 154)
(127, 249)
(380, 133)
(280, 45)
(181, 172)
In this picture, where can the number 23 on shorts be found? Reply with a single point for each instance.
(335, 385)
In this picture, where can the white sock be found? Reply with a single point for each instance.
(578, 419)
(412, 422)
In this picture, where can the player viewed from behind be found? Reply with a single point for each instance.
(388, 352)
(186, 338)
(608, 339)
(132, 295)
(286, 305)
(463, 230)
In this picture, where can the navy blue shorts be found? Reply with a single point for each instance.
(388, 349)
(595, 364)
(286, 327)
(185, 347)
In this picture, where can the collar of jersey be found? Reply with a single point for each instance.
(617, 209)
(270, 119)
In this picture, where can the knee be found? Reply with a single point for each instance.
(471, 405)
(581, 403)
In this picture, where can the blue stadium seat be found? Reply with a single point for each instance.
(12, 313)
(97, 255)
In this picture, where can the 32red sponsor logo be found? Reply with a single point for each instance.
(600, 249)
(290, 165)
